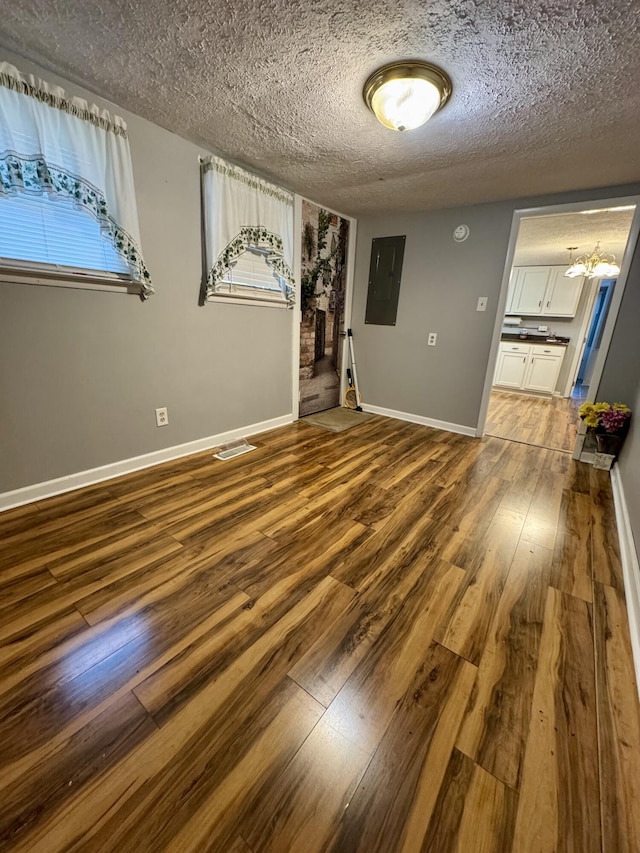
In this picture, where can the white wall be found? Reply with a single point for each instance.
(81, 372)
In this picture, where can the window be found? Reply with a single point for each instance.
(67, 202)
(250, 277)
(50, 236)
(248, 226)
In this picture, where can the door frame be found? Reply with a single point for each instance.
(547, 210)
(297, 313)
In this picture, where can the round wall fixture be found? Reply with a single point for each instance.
(404, 95)
(461, 233)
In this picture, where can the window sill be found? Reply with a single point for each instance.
(248, 300)
(76, 281)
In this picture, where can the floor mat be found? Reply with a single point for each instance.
(336, 420)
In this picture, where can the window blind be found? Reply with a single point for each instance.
(251, 276)
(42, 231)
(245, 214)
(66, 183)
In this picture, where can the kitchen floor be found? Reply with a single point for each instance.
(550, 422)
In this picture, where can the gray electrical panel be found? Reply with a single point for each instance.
(385, 271)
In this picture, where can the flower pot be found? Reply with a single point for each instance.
(609, 444)
(604, 461)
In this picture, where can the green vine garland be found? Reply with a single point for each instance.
(322, 267)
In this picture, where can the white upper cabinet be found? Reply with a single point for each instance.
(563, 294)
(511, 290)
(540, 291)
(530, 290)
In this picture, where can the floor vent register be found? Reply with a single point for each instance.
(233, 449)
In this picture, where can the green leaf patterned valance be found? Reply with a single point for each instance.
(253, 238)
(50, 143)
(244, 212)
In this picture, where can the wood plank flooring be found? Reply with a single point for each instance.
(388, 639)
(542, 421)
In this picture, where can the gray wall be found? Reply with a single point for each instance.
(621, 383)
(441, 282)
(81, 372)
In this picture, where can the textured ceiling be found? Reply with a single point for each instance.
(545, 94)
(544, 239)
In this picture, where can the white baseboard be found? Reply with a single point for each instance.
(419, 419)
(630, 567)
(39, 491)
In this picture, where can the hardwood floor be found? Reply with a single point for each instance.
(386, 639)
(542, 421)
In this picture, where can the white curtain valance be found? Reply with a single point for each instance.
(243, 211)
(65, 146)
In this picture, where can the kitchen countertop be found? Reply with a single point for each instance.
(535, 339)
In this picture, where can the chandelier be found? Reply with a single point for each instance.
(598, 264)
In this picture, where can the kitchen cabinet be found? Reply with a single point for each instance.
(511, 290)
(512, 365)
(542, 372)
(530, 289)
(528, 367)
(543, 291)
(563, 294)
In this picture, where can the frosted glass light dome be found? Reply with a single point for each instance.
(598, 264)
(404, 95)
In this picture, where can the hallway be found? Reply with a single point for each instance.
(323, 391)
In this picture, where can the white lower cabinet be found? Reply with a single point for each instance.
(542, 373)
(528, 367)
(512, 365)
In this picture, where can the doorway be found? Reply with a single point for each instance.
(324, 279)
(593, 339)
(553, 331)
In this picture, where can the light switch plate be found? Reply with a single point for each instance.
(482, 303)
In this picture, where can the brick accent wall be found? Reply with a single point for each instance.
(307, 348)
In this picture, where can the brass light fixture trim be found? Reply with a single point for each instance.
(414, 74)
(598, 264)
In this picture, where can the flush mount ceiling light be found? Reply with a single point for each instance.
(598, 264)
(404, 95)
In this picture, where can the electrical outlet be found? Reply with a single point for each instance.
(162, 416)
(431, 340)
(482, 303)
